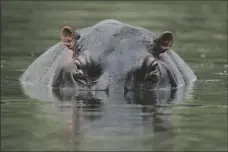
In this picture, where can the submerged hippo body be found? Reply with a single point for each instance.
(111, 53)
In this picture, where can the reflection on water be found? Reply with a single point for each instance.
(140, 120)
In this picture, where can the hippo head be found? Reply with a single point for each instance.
(86, 71)
(110, 52)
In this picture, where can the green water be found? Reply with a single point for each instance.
(37, 122)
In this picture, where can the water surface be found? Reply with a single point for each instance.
(195, 118)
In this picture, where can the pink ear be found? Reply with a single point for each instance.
(166, 40)
(68, 27)
(67, 31)
(67, 37)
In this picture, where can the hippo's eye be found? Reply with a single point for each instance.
(154, 65)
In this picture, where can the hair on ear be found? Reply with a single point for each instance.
(67, 31)
(165, 41)
(166, 36)
(67, 36)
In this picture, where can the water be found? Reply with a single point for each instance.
(34, 119)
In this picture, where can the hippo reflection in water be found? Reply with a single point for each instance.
(110, 54)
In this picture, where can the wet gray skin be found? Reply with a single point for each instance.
(115, 55)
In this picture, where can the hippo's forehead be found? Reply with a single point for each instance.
(114, 28)
(128, 54)
(105, 35)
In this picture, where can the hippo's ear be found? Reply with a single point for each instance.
(67, 36)
(165, 40)
(67, 31)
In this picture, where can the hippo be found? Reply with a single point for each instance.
(110, 54)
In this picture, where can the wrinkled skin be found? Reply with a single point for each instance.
(102, 61)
